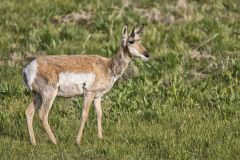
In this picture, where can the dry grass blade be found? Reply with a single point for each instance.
(80, 17)
(207, 41)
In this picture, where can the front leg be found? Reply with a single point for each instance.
(88, 98)
(98, 108)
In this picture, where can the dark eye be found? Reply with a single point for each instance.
(131, 41)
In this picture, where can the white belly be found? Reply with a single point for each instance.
(73, 84)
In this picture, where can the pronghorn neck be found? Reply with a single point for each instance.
(119, 62)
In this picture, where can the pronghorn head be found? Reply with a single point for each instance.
(132, 42)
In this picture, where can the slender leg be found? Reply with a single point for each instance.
(33, 106)
(98, 108)
(88, 98)
(44, 111)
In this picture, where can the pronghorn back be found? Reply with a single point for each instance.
(57, 70)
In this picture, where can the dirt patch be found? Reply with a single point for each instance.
(176, 12)
(200, 55)
(155, 15)
(198, 75)
(211, 67)
(182, 4)
(1, 63)
(81, 17)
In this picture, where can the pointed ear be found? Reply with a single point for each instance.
(137, 30)
(133, 31)
(125, 31)
(125, 35)
(141, 29)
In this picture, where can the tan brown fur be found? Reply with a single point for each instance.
(139, 47)
(71, 75)
(50, 66)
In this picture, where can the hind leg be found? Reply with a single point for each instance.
(33, 106)
(44, 111)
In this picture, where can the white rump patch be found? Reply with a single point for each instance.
(31, 71)
(73, 83)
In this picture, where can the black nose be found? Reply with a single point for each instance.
(146, 54)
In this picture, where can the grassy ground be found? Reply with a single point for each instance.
(184, 104)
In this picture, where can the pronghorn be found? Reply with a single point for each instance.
(73, 75)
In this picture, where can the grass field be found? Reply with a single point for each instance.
(183, 104)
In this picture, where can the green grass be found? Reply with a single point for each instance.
(179, 107)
